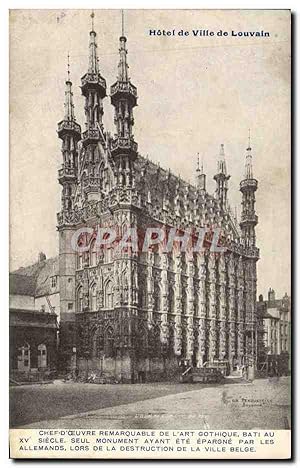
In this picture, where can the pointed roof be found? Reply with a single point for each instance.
(123, 88)
(93, 57)
(199, 169)
(248, 163)
(221, 161)
(93, 78)
(123, 66)
(69, 106)
(69, 125)
(221, 165)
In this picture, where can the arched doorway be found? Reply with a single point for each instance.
(24, 358)
(42, 356)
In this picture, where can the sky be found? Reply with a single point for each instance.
(195, 92)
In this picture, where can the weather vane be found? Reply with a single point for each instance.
(122, 22)
(68, 70)
(92, 16)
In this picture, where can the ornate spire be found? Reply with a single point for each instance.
(123, 96)
(68, 66)
(123, 66)
(70, 133)
(93, 88)
(68, 125)
(122, 11)
(69, 106)
(93, 58)
(248, 187)
(222, 178)
(199, 164)
(201, 177)
(221, 161)
(123, 93)
(92, 18)
(248, 165)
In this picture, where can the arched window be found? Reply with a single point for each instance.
(157, 256)
(42, 355)
(93, 253)
(86, 259)
(93, 298)
(171, 340)
(79, 261)
(143, 292)
(183, 300)
(24, 358)
(98, 343)
(109, 343)
(101, 175)
(109, 295)
(80, 255)
(183, 262)
(155, 343)
(80, 299)
(171, 261)
(171, 301)
(108, 254)
(108, 182)
(157, 301)
(183, 342)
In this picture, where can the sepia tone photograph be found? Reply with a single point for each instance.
(150, 223)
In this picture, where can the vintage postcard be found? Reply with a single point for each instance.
(150, 226)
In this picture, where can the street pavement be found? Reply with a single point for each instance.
(262, 404)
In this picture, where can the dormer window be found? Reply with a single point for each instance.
(53, 281)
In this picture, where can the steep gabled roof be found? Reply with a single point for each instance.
(34, 280)
(21, 285)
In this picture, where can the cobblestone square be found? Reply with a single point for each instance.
(262, 404)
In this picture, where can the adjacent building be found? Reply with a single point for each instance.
(33, 318)
(274, 320)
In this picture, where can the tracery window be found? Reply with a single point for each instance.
(183, 342)
(143, 292)
(93, 298)
(183, 300)
(93, 253)
(80, 299)
(157, 297)
(109, 343)
(171, 301)
(109, 296)
(79, 261)
(108, 254)
(171, 339)
(98, 343)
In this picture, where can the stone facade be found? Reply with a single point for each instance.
(141, 312)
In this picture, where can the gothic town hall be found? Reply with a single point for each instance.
(125, 312)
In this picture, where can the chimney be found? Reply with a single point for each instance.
(271, 295)
(41, 257)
